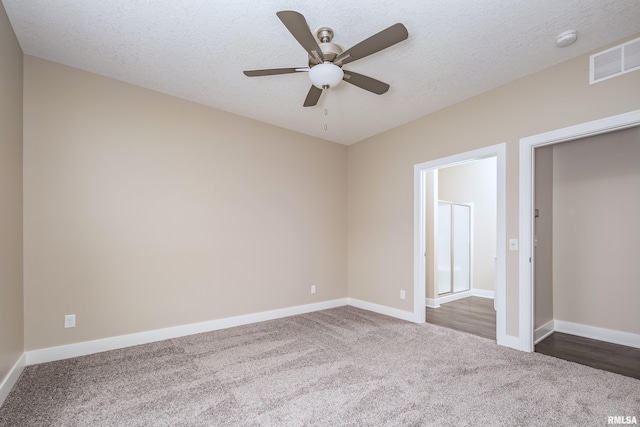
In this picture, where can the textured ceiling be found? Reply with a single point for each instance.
(197, 50)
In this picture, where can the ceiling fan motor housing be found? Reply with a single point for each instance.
(329, 50)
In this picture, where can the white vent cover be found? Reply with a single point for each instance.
(615, 61)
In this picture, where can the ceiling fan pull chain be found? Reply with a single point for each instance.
(325, 119)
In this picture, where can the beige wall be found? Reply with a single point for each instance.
(476, 183)
(596, 205)
(143, 211)
(11, 304)
(543, 274)
(381, 168)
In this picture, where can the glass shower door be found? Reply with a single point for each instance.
(444, 248)
(454, 248)
(461, 248)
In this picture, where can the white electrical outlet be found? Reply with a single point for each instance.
(70, 321)
(313, 289)
(402, 295)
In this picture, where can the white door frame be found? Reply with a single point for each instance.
(527, 168)
(420, 217)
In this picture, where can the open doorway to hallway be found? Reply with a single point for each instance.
(573, 334)
(585, 250)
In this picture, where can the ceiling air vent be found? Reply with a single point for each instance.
(615, 61)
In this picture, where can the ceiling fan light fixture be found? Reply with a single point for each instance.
(327, 58)
(325, 75)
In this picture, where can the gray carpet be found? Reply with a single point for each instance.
(336, 367)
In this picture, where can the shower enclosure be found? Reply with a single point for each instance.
(454, 248)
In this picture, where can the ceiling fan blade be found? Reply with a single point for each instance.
(312, 97)
(377, 42)
(366, 83)
(298, 27)
(274, 71)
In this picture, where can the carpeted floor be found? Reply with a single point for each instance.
(336, 367)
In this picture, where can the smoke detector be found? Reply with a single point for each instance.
(567, 38)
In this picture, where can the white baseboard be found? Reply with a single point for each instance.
(382, 309)
(11, 378)
(543, 331)
(96, 346)
(511, 342)
(601, 334)
(431, 303)
(453, 297)
(482, 293)
(435, 303)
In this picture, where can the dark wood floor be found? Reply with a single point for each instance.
(474, 315)
(616, 358)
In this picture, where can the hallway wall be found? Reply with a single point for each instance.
(596, 205)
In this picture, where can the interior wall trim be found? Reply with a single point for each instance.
(435, 303)
(112, 343)
(600, 334)
(84, 348)
(483, 293)
(454, 297)
(382, 309)
(543, 331)
(431, 303)
(12, 378)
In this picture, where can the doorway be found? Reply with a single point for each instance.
(425, 201)
(587, 201)
(527, 214)
(460, 290)
(464, 222)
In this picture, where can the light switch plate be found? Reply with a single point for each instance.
(513, 244)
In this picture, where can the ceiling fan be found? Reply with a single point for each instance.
(326, 59)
